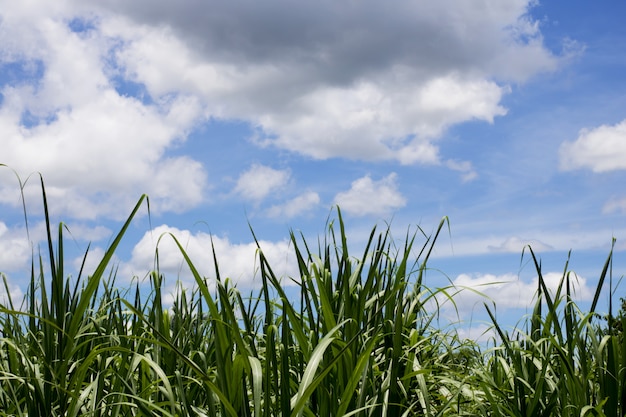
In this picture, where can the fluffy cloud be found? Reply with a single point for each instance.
(259, 181)
(368, 120)
(394, 113)
(15, 250)
(509, 291)
(97, 148)
(330, 79)
(368, 197)
(600, 149)
(106, 88)
(15, 294)
(340, 39)
(237, 261)
(92, 260)
(296, 206)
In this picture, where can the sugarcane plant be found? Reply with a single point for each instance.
(347, 336)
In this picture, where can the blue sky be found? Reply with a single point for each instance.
(507, 117)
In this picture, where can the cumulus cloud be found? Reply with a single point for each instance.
(97, 148)
(108, 87)
(90, 262)
(15, 250)
(509, 291)
(600, 149)
(369, 121)
(15, 294)
(347, 38)
(369, 197)
(237, 261)
(296, 206)
(259, 181)
(330, 79)
(18, 247)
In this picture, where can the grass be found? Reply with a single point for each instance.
(359, 340)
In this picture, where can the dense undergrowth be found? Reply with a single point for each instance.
(359, 339)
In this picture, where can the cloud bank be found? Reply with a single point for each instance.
(107, 89)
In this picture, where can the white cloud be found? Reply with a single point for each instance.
(355, 80)
(509, 291)
(237, 261)
(15, 293)
(600, 149)
(332, 80)
(345, 38)
(481, 333)
(97, 149)
(368, 197)
(15, 250)
(515, 244)
(80, 231)
(304, 202)
(259, 181)
(394, 118)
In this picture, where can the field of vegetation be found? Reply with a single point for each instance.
(359, 340)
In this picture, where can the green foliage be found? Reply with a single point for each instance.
(566, 364)
(358, 340)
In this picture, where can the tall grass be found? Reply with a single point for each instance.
(359, 339)
(565, 364)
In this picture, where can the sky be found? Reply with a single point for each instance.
(507, 117)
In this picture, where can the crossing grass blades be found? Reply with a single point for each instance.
(359, 340)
